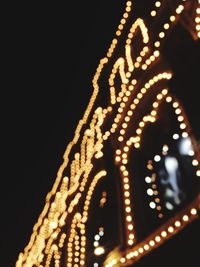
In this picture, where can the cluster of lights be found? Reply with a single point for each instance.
(125, 16)
(129, 226)
(76, 245)
(164, 233)
(98, 250)
(152, 192)
(80, 167)
(119, 68)
(197, 19)
(122, 157)
(47, 239)
(184, 129)
(146, 119)
(162, 34)
(152, 82)
(120, 28)
(39, 237)
(156, 6)
(97, 237)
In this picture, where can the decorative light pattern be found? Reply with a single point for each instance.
(49, 238)
(197, 20)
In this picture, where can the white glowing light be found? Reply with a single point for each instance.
(165, 148)
(150, 192)
(171, 164)
(157, 158)
(97, 237)
(152, 205)
(169, 206)
(191, 152)
(185, 146)
(175, 136)
(99, 251)
(101, 233)
(195, 162)
(148, 180)
(96, 243)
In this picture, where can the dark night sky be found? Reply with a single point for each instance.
(51, 53)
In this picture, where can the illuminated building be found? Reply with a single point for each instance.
(130, 176)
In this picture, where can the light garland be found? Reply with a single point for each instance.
(87, 147)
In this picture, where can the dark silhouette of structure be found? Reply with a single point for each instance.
(129, 183)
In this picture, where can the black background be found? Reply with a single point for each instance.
(50, 53)
(50, 56)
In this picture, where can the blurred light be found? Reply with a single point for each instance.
(99, 251)
(165, 148)
(185, 146)
(96, 243)
(175, 136)
(169, 206)
(157, 158)
(150, 192)
(97, 237)
(171, 164)
(152, 205)
(101, 233)
(148, 179)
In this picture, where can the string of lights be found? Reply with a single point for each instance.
(60, 235)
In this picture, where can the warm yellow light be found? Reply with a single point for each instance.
(153, 13)
(157, 3)
(130, 242)
(141, 250)
(198, 27)
(131, 236)
(170, 229)
(157, 238)
(146, 247)
(177, 224)
(172, 18)
(136, 253)
(193, 211)
(117, 158)
(122, 260)
(151, 243)
(161, 34)
(182, 125)
(195, 162)
(156, 53)
(185, 218)
(130, 227)
(166, 26)
(128, 209)
(164, 234)
(128, 218)
(179, 9)
(180, 118)
(197, 19)
(53, 225)
(198, 172)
